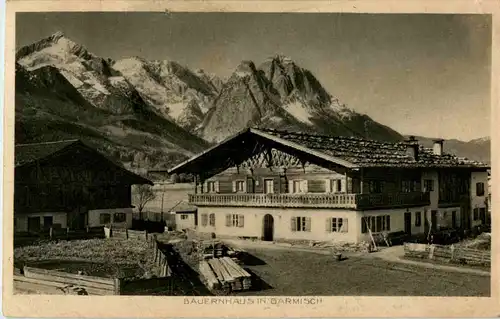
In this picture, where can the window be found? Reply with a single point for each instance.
(105, 218)
(235, 220)
(428, 185)
(184, 216)
(212, 219)
(376, 187)
(119, 217)
(204, 219)
(212, 186)
(337, 225)
(336, 185)
(240, 186)
(297, 186)
(301, 224)
(376, 223)
(476, 214)
(418, 219)
(479, 189)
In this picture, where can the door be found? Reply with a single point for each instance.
(34, 224)
(48, 221)
(268, 186)
(250, 185)
(434, 220)
(268, 226)
(408, 223)
(454, 219)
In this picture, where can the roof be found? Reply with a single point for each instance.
(348, 152)
(370, 153)
(182, 207)
(26, 154)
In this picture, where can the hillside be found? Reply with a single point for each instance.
(63, 91)
(477, 149)
(282, 95)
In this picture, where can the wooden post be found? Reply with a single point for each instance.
(452, 250)
(117, 286)
(50, 232)
(67, 232)
(126, 233)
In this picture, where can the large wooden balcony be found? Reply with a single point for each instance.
(350, 201)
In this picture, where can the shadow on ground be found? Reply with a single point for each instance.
(251, 260)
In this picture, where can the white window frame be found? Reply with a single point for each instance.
(241, 183)
(184, 216)
(339, 225)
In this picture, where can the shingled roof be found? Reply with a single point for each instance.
(370, 153)
(27, 153)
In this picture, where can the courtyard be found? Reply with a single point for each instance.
(299, 273)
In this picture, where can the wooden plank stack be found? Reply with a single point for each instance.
(223, 273)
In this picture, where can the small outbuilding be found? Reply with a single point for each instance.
(186, 216)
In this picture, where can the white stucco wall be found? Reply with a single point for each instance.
(22, 220)
(397, 220)
(478, 201)
(254, 218)
(181, 224)
(94, 219)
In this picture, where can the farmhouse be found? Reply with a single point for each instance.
(68, 184)
(273, 185)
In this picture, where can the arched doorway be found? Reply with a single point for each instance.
(268, 226)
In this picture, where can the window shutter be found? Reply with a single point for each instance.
(364, 227)
(241, 220)
(343, 188)
(234, 186)
(345, 225)
(349, 186)
(328, 225)
(304, 186)
(388, 222)
(290, 186)
(228, 220)
(293, 224)
(328, 186)
(216, 186)
(308, 223)
(205, 187)
(244, 187)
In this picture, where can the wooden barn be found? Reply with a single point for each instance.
(271, 185)
(69, 184)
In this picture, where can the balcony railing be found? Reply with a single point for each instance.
(351, 201)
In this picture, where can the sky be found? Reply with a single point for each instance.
(420, 74)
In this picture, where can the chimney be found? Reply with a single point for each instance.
(412, 147)
(438, 147)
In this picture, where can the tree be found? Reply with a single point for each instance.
(143, 194)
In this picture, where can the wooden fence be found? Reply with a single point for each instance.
(53, 282)
(125, 233)
(452, 253)
(160, 258)
(22, 239)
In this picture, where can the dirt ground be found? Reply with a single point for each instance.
(305, 273)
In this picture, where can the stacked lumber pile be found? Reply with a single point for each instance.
(224, 273)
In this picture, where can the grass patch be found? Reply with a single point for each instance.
(117, 256)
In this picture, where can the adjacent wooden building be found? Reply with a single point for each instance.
(69, 184)
(274, 184)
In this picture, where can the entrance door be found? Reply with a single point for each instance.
(454, 219)
(268, 226)
(34, 224)
(434, 220)
(408, 223)
(48, 221)
(268, 186)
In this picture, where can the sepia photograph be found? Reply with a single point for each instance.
(252, 154)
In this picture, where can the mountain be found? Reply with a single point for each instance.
(280, 94)
(477, 149)
(64, 91)
(174, 91)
